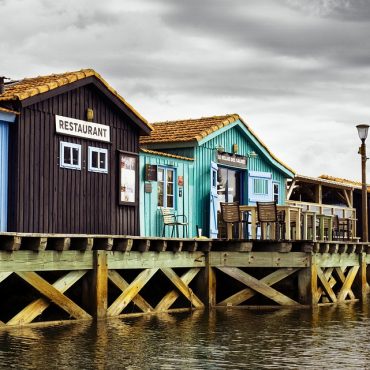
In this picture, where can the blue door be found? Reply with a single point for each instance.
(4, 137)
(213, 229)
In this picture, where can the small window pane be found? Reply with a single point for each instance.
(170, 201)
(169, 189)
(102, 160)
(160, 174)
(95, 159)
(67, 155)
(170, 175)
(75, 156)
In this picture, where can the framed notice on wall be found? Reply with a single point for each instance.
(127, 178)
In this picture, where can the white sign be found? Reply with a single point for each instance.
(85, 129)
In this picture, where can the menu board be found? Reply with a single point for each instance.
(127, 179)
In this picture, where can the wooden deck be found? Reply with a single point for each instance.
(67, 277)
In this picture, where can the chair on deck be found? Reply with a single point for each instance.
(230, 215)
(269, 216)
(342, 229)
(171, 219)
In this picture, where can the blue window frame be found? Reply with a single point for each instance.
(260, 186)
(166, 187)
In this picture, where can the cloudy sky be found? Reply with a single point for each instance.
(297, 71)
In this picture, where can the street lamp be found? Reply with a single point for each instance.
(362, 133)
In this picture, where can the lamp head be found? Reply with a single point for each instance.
(362, 131)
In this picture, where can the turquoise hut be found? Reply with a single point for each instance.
(7, 117)
(230, 163)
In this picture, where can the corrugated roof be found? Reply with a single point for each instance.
(29, 87)
(155, 152)
(355, 184)
(194, 130)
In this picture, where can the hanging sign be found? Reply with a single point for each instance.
(233, 160)
(84, 129)
(151, 172)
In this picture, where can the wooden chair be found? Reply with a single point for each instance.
(171, 219)
(268, 216)
(230, 215)
(342, 229)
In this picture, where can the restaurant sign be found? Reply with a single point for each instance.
(233, 160)
(84, 129)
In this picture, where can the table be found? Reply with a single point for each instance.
(292, 213)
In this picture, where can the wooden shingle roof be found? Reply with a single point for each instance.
(187, 130)
(195, 130)
(29, 87)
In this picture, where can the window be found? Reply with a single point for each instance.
(70, 155)
(166, 187)
(98, 160)
(275, 190)
(260, 186)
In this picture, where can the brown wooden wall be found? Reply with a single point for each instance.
(43, 197)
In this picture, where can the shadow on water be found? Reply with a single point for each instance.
(329, 337)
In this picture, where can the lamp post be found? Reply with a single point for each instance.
(362, 133)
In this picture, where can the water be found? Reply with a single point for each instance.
(323, 338)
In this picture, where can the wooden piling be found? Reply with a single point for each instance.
(100, 284)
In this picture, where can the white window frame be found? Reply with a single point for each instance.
(90, 167)
(165, 182)
(65, 144)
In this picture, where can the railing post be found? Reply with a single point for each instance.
(100, 284)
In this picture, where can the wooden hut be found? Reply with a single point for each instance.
(73, 156)
(167, 181)
(230, 164)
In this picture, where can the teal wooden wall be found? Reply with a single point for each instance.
(206, 152)
(4, 145)
(150, 217)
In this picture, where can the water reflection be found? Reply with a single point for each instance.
(330, 337)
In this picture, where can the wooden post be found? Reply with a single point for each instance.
(206, 284)
(361, 281)
(307, 283)
(100, 284)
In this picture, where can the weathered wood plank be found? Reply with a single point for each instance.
(59, 244)
(37, 307)
(45, 261)
(54, 295)
(328, 275)
(325, 285)
(134, 260)
(247, 293)
(82, 244)
(258, 286)
(100, 283)
(35, 244)
(259, 259)
(103, 244)
(132, 290)
(183, 288)
(124, 245)
(342, 278)
(122, 284)
(159, 245)
(348, 283)
(169, 299)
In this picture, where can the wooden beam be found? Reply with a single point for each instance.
(169, 299)
(37, 307)
(325, 285)
(132, 290)
(328, 275)
(348, 197)
(100, 284)
(290, 190)
(4, 275)
(183, 288)
(346, 287)
(258, 286)
(342, 278)
(54, 295)
(122, 284)
(248, 293)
